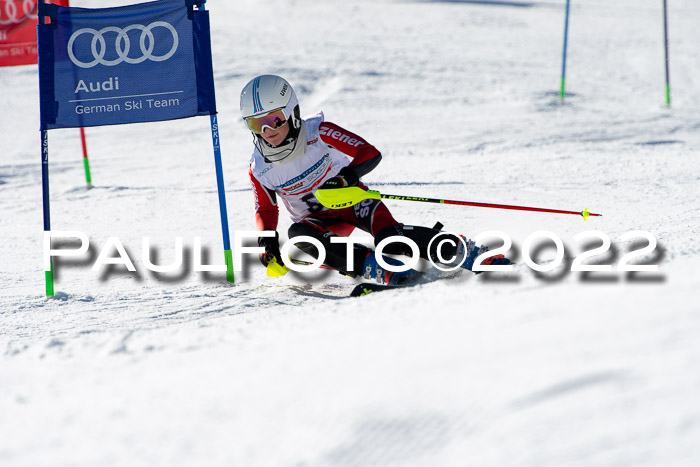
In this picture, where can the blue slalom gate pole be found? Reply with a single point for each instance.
(45, 181)
(562, 90)
(220, 187)
(47, 210)
(222, 197)
(668, 80)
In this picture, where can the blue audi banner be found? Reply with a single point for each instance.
(139, 63)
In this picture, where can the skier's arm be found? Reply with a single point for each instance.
(266, 209)
(365, 157)
(266, 218)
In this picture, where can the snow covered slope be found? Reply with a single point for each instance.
(527, 369)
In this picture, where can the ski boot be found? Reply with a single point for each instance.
(372, 270)
(474, 251)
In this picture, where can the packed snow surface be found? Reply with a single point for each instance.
(461, 97)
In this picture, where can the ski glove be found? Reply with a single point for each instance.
(272, 249)
(346, 177)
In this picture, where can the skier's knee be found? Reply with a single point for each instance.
(299, 229)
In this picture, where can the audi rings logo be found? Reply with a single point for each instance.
(12, 13)
(122, 44)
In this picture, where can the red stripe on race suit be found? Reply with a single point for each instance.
(266, 209)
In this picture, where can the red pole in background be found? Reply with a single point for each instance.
(86, 161)
(18, 21)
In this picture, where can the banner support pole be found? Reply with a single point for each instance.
(45, 186)
(47, 210)
(228, 255)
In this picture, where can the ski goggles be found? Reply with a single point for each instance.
(274, 120)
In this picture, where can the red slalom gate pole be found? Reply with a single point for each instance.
(86, 161)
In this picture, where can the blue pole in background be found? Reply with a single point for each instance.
(562, 91)
(668, 80)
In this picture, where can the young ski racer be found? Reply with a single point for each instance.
(293, 157)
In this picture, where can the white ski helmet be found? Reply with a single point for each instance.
(270, 101)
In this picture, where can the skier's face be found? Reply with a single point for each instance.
(276, 136)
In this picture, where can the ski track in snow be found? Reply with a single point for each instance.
(461, 97)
